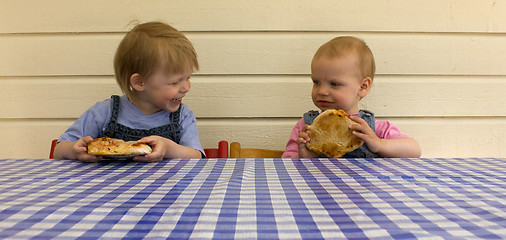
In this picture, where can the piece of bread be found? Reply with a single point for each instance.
(106, 146)
(330, 134)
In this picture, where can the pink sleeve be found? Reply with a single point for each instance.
(292, 148)
(387, 130)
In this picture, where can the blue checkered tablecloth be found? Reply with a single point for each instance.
(254, 198)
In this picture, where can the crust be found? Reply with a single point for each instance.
(330, 134)
(106, 146)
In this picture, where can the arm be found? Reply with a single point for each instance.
(189, 146)
(295, 147)
(398, 147)
(292, 148)
(166, 148)
(74, 141)
(75, 150)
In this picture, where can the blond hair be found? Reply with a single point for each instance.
(342, 46)
(149, 46)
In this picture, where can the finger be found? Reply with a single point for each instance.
(139, 158)
(89, 158)
(148, 157)
(301, 140)
(144, 159)
(87, 139)
(358, 134)
(361, 135)
(82, 149)
(356, 127)
(358, 119)
(78, 148)
(304, 135)
(144, 140)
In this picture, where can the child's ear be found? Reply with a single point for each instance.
(365, 86)
(137, 82)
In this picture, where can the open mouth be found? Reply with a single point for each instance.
(176, 99)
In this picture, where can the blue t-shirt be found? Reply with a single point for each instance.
(94, 121)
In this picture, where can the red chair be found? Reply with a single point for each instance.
(220, 152)
(51, 152)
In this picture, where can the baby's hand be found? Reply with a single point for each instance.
(160, 145)
(80, 150)
(365, 132)
(301, 142)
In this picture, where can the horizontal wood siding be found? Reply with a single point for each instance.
(441, 67)
(264, 96)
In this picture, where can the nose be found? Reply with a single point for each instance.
(322, 90)
(185, 86)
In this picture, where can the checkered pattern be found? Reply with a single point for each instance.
(254, 198)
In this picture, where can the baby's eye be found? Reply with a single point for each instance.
(335, 84)
(316, 82)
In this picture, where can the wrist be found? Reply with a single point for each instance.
(377, 146)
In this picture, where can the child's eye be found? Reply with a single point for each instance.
(335, 84)
(316, 82)
(183, 80)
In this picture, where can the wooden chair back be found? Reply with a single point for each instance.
(237, 152)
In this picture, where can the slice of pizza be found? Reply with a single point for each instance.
(106, 146)
(330, 134)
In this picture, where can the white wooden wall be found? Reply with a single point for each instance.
(441, 66)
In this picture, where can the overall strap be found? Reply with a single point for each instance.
(114, 108)
(369, 118)
(310, 116)
(174, 117)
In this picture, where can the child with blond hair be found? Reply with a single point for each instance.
(342, 71)
(152, 65)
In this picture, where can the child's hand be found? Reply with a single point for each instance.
(301, 142)
(166, 148)
(365, 132)
(161, 146)
(398, 147)
(80, 150)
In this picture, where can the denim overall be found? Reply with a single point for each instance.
(361, 152)
(171, 131)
